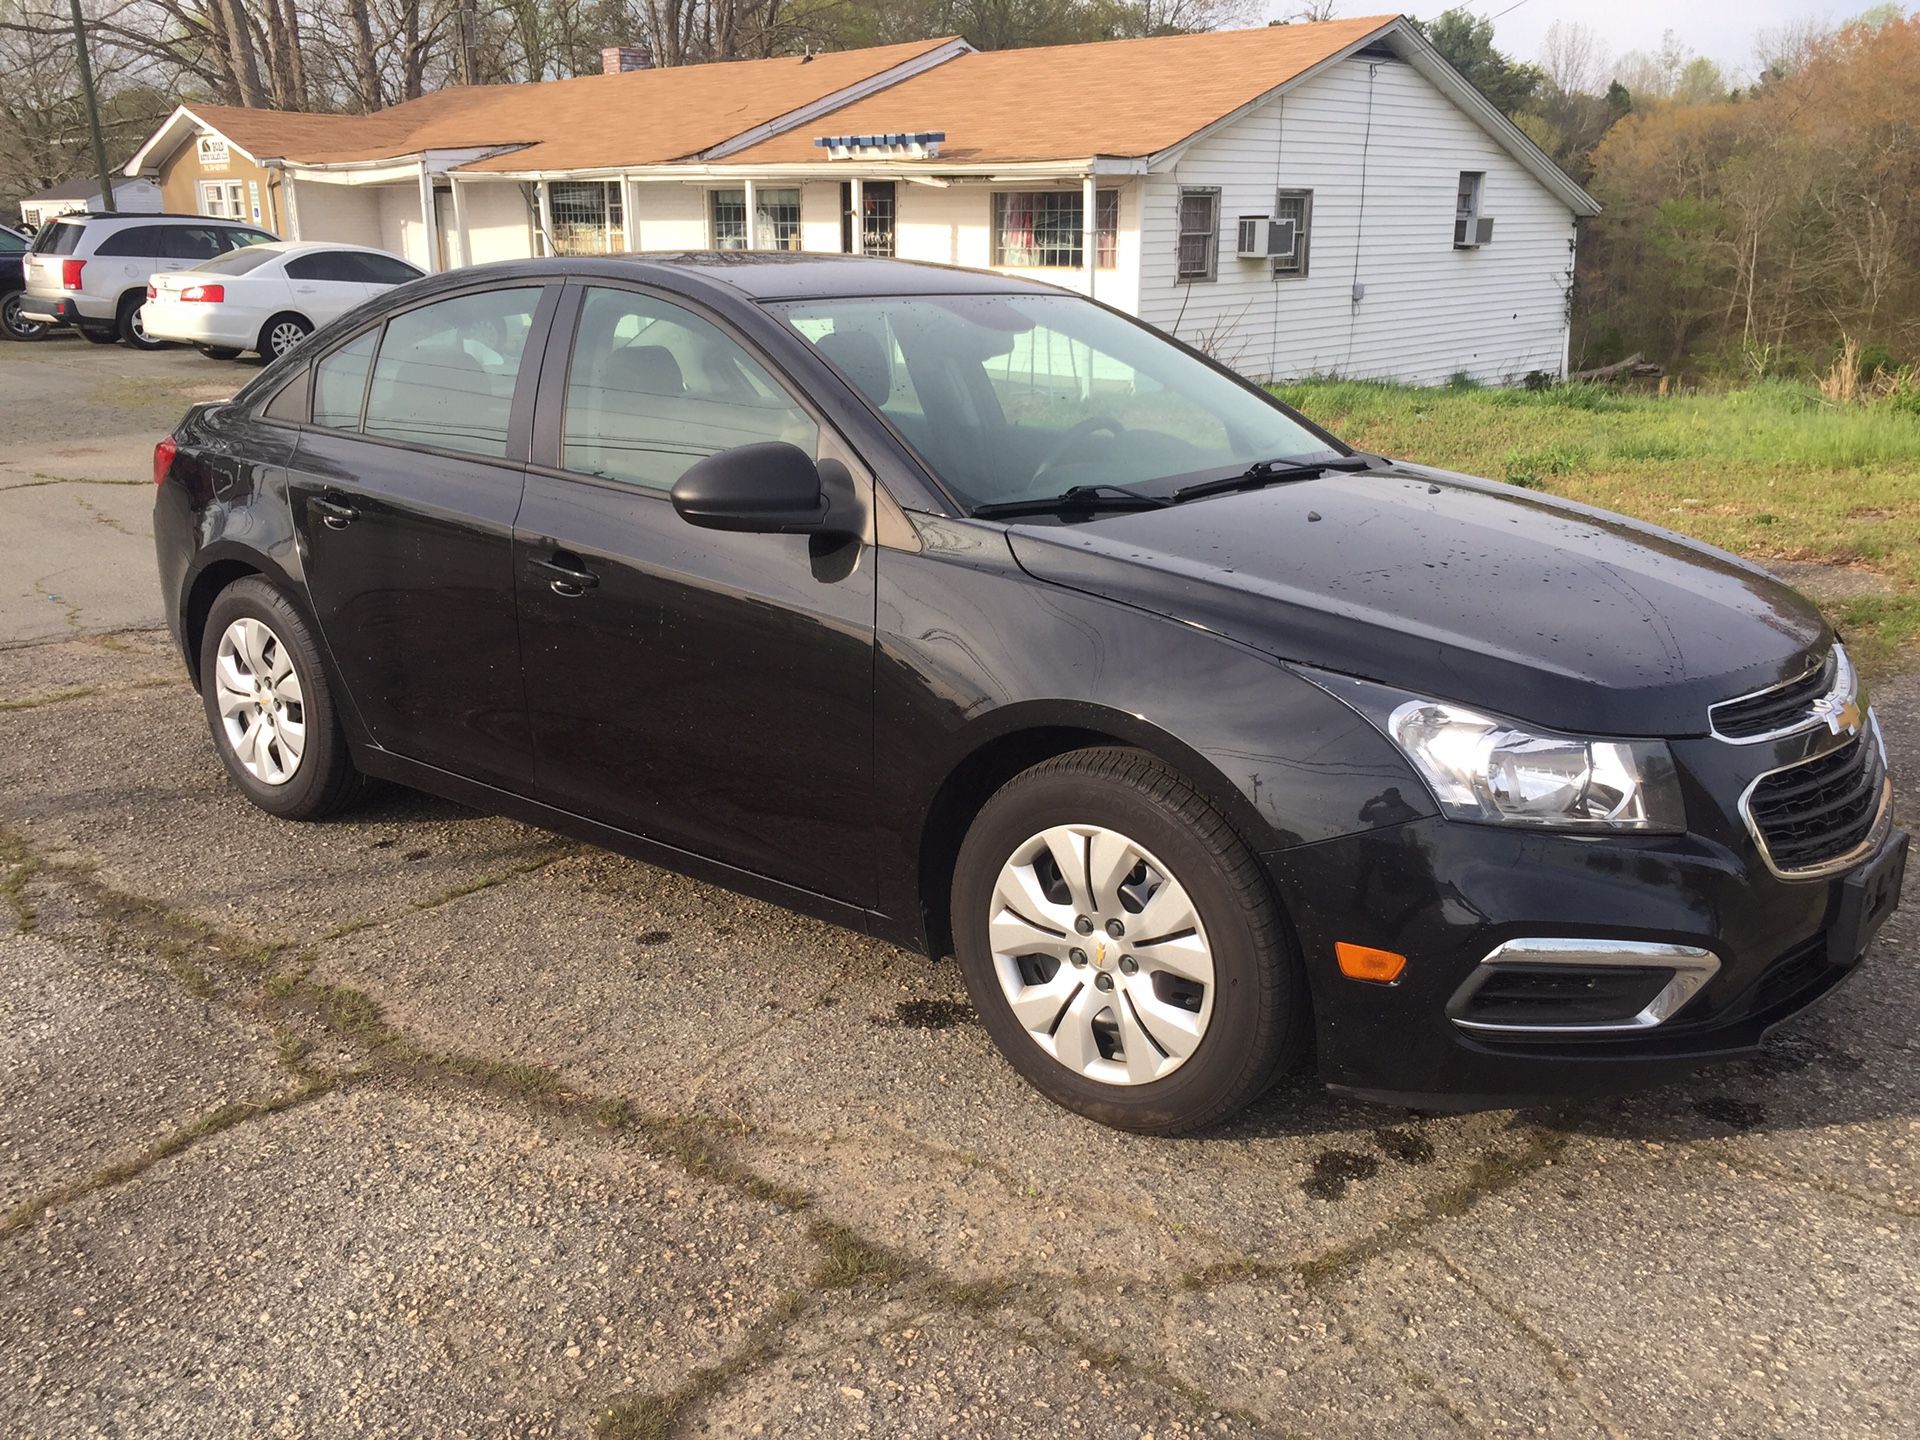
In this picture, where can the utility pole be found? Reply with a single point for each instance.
(93, 108)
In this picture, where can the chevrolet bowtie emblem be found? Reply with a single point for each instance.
(1841, 712)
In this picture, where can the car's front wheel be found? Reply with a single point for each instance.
(270, 706)
(1122, 945)
(14, 323)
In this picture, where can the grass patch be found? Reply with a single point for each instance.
(1770, 472)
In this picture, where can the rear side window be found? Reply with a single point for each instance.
(57, 239)
(340, 384)
(142, 240)
(446, 372)
(322, 265)
(654, 388)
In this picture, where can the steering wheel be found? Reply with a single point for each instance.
(1092, 425)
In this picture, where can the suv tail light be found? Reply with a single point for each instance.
(70, 273)
(163, 454)
(209, 294)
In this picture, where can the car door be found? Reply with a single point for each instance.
(707, 689)
(404, 491)
(323, 285)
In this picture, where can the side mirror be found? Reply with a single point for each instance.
(770, 488)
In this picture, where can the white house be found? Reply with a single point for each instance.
(136, 194)
(1303, 199)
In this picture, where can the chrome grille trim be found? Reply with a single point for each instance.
(1870, 739)
(1817, 710)
(1692, 968)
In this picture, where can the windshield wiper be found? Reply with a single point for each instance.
(1272, 472)
(1074, 497)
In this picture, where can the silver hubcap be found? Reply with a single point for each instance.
(284, 337)
(1101, 955)
(262, 712)
(139, 324)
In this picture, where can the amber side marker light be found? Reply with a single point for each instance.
(1363, 962)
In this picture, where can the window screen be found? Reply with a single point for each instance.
(446, 372)
(652, 388)
(340, 384)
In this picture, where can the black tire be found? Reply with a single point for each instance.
(218, 352)
(129, 327)
(1258, 1009)
(265, 344)
(324, 781)
(96, 336)
(13, 324)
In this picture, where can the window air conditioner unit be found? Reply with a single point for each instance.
(1472, 231)
(1264, 238)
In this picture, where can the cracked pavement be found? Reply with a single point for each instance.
(422, 1122)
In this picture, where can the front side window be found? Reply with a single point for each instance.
(194, 242)
(652, 388)
(1040, 229)
(446, 372)
(1199, 233)
(374, 269)
(1009, 397)
(340, 384)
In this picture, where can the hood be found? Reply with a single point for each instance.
(1455, 588)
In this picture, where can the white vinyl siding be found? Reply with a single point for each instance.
(1429, 310)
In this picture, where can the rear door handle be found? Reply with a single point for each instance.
(334, 514)
(570, 576)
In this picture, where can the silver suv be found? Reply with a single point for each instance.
(91, 271)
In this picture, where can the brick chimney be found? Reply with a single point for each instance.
(618, 59)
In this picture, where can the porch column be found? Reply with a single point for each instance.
(753, 215)
(460, 220)
(858, 229)
(1089, 229)
(432, 231)
(545, 246)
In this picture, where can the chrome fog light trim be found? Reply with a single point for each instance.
(1692, 968)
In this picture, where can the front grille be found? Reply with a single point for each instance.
(1821, 810)
(1785, 707)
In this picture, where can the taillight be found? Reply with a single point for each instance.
(163, 454)
(152, 294)
(208, 294)
(70, 273)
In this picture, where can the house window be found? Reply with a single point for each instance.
(226, 199)
(1295, 206)
(1040, 229)
(588, 217)
(1466, 208)
(877, 211)
(1199, 233)
(776, 221)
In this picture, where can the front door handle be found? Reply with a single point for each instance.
(570, 576)
(334, 514)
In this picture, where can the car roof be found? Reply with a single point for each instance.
(777, 275)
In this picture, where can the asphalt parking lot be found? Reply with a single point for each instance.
(426, 1123)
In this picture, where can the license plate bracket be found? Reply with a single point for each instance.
(1867, 898)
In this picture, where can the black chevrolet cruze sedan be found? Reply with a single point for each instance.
(977, 616)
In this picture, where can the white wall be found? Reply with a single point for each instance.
(672, 216)
(499, 223)
(348, 214)
(402, 231)
(1430, 310)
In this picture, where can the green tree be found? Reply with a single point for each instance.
(1467, 42)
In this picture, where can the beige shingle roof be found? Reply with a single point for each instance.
(641, 117)
(1117, 97)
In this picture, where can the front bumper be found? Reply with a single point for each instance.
(1448, 895)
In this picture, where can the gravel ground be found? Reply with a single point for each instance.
(422, 1122)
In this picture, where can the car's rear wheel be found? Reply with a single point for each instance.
(132, 328)
(14, 323)
(1122, 945)
(281, 334)
(218, 352)
(270, 706)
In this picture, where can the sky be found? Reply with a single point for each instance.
(1722, 30)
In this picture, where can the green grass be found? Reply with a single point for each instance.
(1770, 472)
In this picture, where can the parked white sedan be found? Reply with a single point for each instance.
(267, 297)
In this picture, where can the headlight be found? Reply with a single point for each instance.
(1490, 770)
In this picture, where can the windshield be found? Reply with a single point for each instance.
(238, 262)
(1011, 397)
